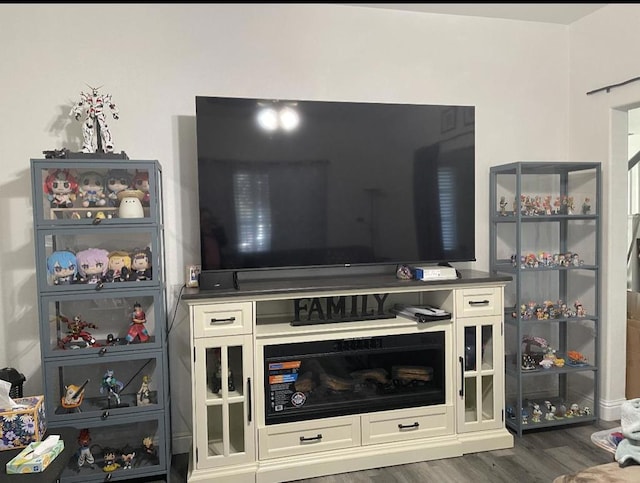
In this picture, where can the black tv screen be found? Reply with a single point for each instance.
(301, 183)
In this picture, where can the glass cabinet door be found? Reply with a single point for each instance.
(222, 402)
(480, 373)
(96, 192)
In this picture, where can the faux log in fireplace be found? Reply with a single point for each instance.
(311, 380)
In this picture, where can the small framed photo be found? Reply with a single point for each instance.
(193, 276)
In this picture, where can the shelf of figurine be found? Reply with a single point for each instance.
(113, 193)
(549, 310)
(112, 394)
(537, 354)
(77, 335)
(94, 456)
(99, 266)
(547, 260)
(548, 411)
(542, 205)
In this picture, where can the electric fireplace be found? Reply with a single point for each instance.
(326, 378)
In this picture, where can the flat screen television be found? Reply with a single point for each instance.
(308, 183)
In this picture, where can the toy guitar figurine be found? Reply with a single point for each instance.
(74, 396)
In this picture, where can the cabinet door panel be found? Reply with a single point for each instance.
(223, 434)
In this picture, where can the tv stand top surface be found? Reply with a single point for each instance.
(305, 285)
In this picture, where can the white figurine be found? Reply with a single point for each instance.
(95, 131)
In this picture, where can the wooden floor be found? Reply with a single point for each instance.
(539, 456)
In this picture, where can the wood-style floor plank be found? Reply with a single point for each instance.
(537, 457)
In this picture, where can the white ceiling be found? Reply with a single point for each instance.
(560, 13)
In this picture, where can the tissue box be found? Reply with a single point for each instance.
(21, 426)
(22, 464)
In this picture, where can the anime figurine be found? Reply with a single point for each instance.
(110, 463)
(73, 397)
(149, 448)
(76, 330)
(586, 206)
(84, 452)
(61, 188)
(144, 393)
(93, 264)
(118, 267)
(140, 264)
(91, 189)
(141, 182)
(62, 266)
(127, 458)
(136, 327)
(117, 180)
(95, 131)
(131, 204)
(112, 387)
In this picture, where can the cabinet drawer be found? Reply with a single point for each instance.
(222, 319)
(474, 302)
(406, 424)
(307, 437)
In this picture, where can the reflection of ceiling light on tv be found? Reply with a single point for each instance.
(289, 118)
(270, 119)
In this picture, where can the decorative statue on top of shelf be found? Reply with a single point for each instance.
(137, 330)
(140, 264)
(76, 330)
(62, 266)
(91, 189)
(141, 182)
(119, 266)
(95, 131)
(92, 265)
(61, 188)
(117, 180)
(112, 387)
(84, 452)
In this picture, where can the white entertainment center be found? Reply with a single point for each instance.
(236, 434)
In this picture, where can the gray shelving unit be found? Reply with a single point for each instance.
(85, 321)
(545, 232)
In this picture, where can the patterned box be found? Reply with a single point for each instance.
(25, 462)
(21, 426)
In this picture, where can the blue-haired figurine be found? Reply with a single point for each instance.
(62, 266)
(111, 386)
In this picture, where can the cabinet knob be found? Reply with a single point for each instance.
(105, 415)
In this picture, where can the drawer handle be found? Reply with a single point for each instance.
(228, 320)
(479, 302)
(415, 425)
(315, 439)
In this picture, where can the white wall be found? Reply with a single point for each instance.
(154, 59)
(603, 46)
